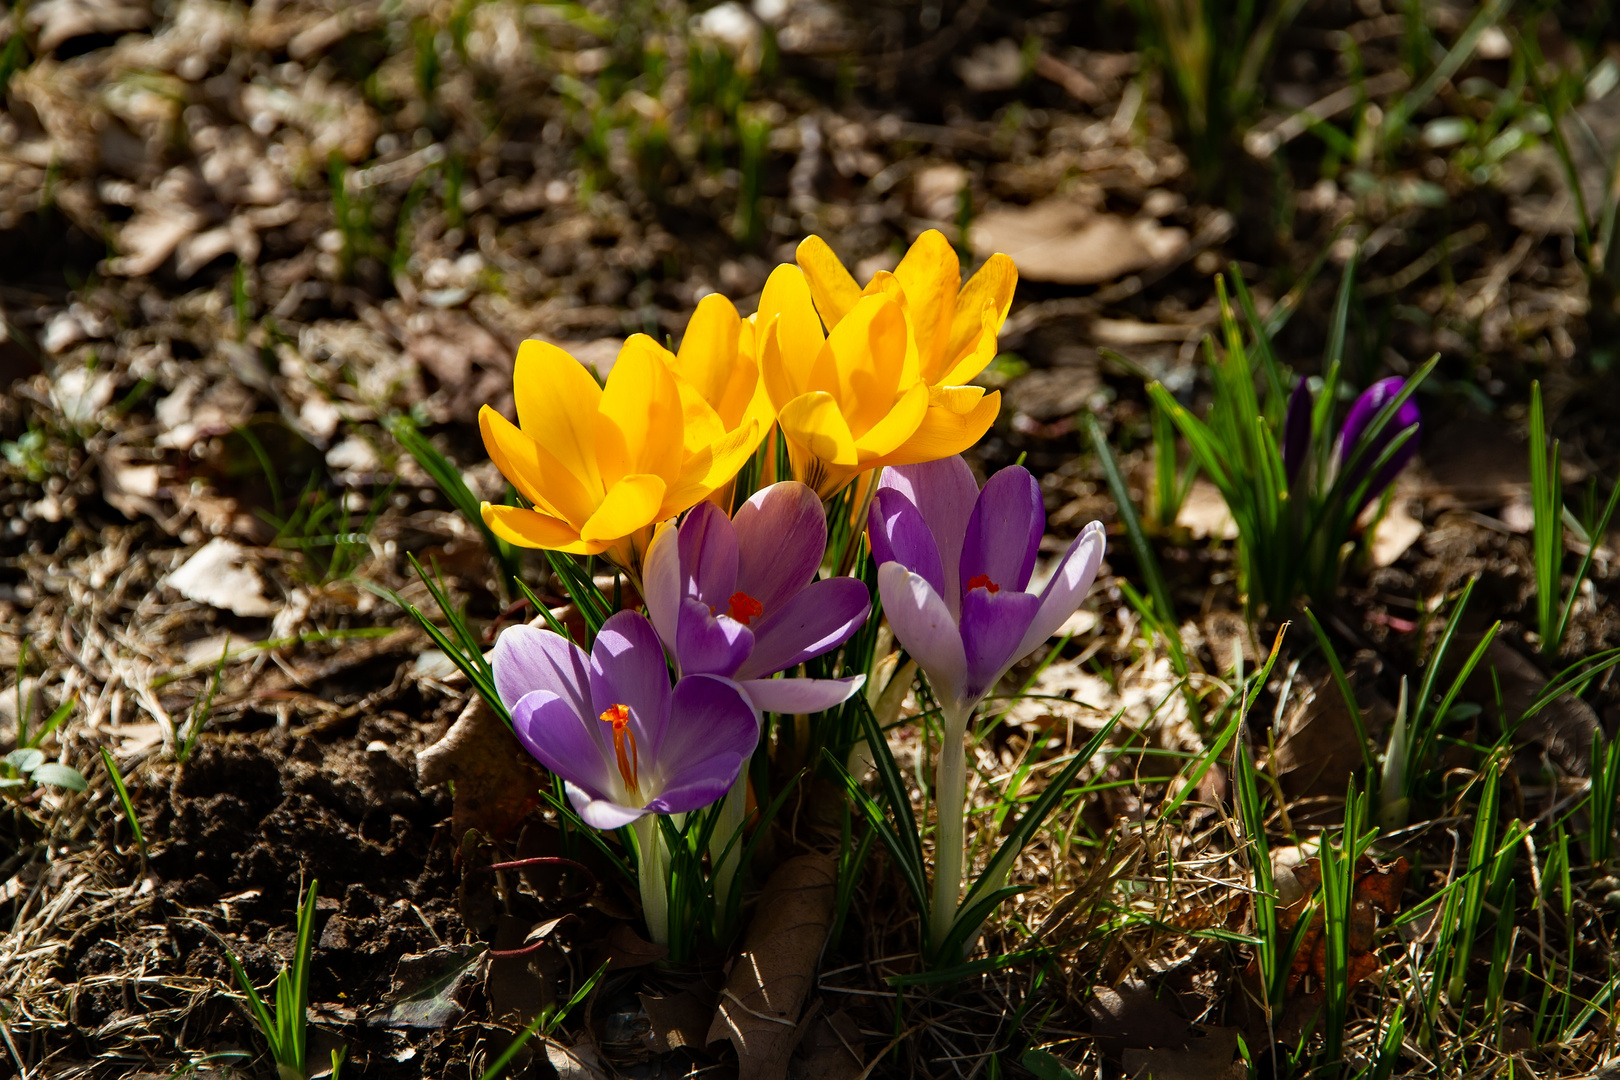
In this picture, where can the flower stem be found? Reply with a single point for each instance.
(950, 794)
(733, 811)
(652, 875)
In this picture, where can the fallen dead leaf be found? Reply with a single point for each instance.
(496, 782)
(624, 948)
(521, 987)
(59, 21)
(577, 1062)
(220, 575)
(680, 1019)
(1377, 889)
(1396, 531)
(1211, 1057)
(1316, 748)
(833, 1049)
(759, 1007)
(1066, 242)
(1204, 513)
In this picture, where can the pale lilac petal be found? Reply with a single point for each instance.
(945, 492)
(1004, 531)
(1067, 590)
(708, 548)
(781, 538)
(628, 668)
(897, 532)
(601, 813)
(993, 628)
(710, 719)
(527, 658)
(661, 584)
(701, 787)
(819, 619)
(565, 742)
(710, 644)
(923, 625)
(790, 696)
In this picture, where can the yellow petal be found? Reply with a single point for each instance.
(639, 423)
(710, 359)
(526, 528)
(834, 290)
(992, 286)
(533, 471)
(894, 429)
(785, 310)
(556, 405)
(956, 418)
(631, 504)
(867, 352)
(702, 425)
(814, 423)
(712, 467)
(976, 359)
(931, 274)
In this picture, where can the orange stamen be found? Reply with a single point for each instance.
(744, 607)
(982, 581)
(619, 717)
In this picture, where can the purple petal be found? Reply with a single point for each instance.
(1352, 437)
(713, 728)
(710, 644)
(1361, 414)
(781, 538)
(701, 787)
(924, 626)
(897, 532)
(1297, 430)
(565, 742)
(528, 658)
(627, 668)
(1072, 579)
(789, 696)
(945, 492)
(599, 812)
(819, 619)
(708, 547)
(993, 628)
(1004, 532)
(661, 584)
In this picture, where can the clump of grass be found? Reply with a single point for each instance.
(285, 1028)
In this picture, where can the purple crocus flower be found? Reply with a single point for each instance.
(608, 723)
(954, 569)
(738, 597)
(1297, 430)
(1362, 414)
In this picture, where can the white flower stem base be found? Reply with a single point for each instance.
(652, 875)
(950, 795)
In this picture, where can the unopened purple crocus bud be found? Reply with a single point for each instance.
(1297, 430)
(1362, 413)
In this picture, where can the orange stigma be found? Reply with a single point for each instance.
(982, 581)
(744, 607)
(619, 717)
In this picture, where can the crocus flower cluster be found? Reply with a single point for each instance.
(659, 716)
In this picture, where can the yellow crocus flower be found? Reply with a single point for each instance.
(717, 373)
(603, 464)
(955, 326)
(855, 398)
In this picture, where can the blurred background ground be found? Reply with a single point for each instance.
(240, 244)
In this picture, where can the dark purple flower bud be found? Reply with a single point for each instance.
(1297, 430)
(1362, 413)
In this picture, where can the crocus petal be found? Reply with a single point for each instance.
(599, 812)
(632, 503)
(781, 538)
(1297, 430)
(1365, 408)
(640, 427)
(707, 643)
(1072, 579)
(556, 402)
(562, 740)
(1352, 436)
(924, 626)
(931, 274)
(992, 287)
(832, 287)
(993, 629)
(945, 493)
(529, 528)
(1004, 531)
(957, 417)
(819, 619)
(661, 583)
(627, 668)
(797, 696)
(708, 547)
(537, 475)
(899, 532)
(700, 786)
(713, 728)
(528, 658)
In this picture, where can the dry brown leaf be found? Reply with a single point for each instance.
(833, 1049)
(1317, 749)
(521, 987)
(624, 948)
(1211, 1057)
(577, 1062)
(496, 781)
(220, 575)
(681, 1019)
(1205, 514)
(759, 1008)
(1066, 242)
(59, 21)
